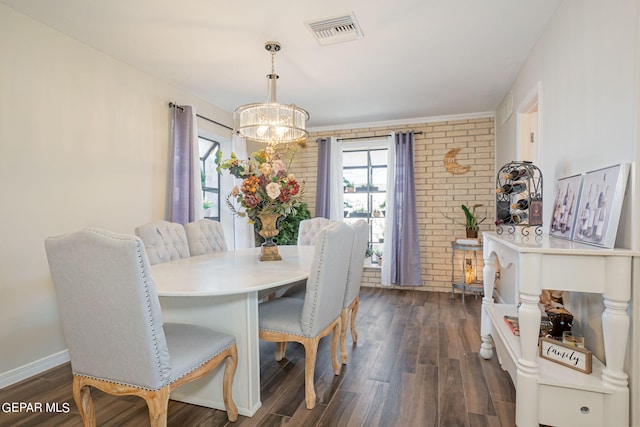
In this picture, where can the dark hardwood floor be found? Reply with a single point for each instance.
(416, 364)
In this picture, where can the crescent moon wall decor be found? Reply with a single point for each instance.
(451, 164)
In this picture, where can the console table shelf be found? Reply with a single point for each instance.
(546, 392)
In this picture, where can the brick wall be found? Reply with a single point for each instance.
(438, 191)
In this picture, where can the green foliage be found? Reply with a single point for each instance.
(472, 222)
(288, 226)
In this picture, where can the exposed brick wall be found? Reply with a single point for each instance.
(438, 191)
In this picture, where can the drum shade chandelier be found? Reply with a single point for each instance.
(270, 122)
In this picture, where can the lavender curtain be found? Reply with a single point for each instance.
(323, 190)
(405, 254)
(182, 187)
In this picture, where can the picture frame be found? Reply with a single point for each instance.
(600, 205)
(576, 358)
(565, 207)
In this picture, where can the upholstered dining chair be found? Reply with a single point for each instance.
(307, 320)
(113, 326)
(164, 241)
(205, 236)
(351, 301)
(309, 229)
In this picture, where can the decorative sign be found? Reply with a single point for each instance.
(451, 164)
(563, 354)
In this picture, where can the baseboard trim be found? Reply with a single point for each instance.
(34, 368)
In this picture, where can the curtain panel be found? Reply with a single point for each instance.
(405, 268)
(185, 186)
(323, 189)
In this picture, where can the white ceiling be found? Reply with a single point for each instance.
(418, 58)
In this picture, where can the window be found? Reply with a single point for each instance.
(208, 149)
(364, 174)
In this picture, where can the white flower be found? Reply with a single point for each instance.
(266, 169)
(278, 166)
(273, 190)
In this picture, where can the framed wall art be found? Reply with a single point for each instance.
(600, 205)
(565, 207)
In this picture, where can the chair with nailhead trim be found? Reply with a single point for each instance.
(307, 320)
(113, 326)
(309, 229)
(164, 241)
(205, 236)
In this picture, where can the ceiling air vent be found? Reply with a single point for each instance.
(335, 30)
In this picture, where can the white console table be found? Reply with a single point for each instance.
(546, 392)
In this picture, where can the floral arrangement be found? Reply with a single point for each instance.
(267, 186)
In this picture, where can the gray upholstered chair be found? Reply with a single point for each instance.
(309, 229)
(113, 326)
(164, 241)
(307, 320)
(205, 236)
(354, 280)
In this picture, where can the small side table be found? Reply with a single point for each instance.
(466, 271)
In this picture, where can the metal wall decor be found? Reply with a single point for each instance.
(451, 164)
(519, 198)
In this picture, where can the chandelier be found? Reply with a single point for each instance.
(270, 122)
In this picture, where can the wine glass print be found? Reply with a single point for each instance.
(600, 205)
(565, 207)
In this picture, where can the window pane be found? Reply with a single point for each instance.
(354, 158)
(366, 170)
(204, 145)
(378, 157)
(211, 175)
(379, 178)
(357, 177)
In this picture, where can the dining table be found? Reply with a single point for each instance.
(220, 291)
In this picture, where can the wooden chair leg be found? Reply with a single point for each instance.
(281, 348)
(344, 319)
(82, 397)
(158, 403)
(354, 312)
(227, 383)
(311, 353)
(334, 347)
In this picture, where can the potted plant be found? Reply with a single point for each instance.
(206, 205)
(378, 255)
(382, 207)
(349, 187)
(347, 206)
(472, 223)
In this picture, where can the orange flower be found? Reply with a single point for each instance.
(250, 185)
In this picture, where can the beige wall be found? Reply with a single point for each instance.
(437, 190)
(84, 141)
(586, 64)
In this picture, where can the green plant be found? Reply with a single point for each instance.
(347, 205)
(472, 222)
(288, 226)
(377, 252)
(383, 205)
(206, 204)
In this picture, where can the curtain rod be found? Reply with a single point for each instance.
(372, 136)
(174, 105)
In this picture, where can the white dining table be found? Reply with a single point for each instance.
(220, 291)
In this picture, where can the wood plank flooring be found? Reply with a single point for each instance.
(416, 364)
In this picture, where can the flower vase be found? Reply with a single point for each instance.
(268, 230)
